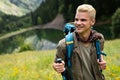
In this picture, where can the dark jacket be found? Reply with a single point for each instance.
(76, 59)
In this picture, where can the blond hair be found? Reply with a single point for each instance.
(87, 8)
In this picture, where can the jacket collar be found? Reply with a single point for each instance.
(94, 35)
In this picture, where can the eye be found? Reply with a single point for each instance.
(76, 19)
(83, 19)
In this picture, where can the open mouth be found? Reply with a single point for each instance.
(79, 27)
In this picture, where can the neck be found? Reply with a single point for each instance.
(84, 36)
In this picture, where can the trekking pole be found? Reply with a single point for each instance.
(59, 60)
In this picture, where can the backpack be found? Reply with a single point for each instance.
(68, 29)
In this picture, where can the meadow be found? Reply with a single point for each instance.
(37, 65)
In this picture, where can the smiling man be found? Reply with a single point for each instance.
(85, 65)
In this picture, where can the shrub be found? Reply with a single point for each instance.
(105, 29)
(25, 47)
(116, 24)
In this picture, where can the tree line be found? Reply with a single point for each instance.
(108, 19)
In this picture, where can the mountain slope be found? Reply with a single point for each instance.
(18, 7)
(29, 5)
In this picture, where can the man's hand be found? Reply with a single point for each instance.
(59, 67)
(102, 64)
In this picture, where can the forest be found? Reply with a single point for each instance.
(31, 29)
(45, 11)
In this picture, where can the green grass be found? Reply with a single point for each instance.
(37, 65)
(112, 48)
(29, 65)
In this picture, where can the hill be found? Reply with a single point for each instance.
(18, 7)
(37, 65)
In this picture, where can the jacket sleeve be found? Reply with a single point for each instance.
(61, 50)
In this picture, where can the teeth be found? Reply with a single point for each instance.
(79, 27)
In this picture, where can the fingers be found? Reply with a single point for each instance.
(103, 67)
(59, 67)
(102, 64)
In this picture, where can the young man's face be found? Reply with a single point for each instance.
(83, 22)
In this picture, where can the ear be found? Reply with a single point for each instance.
(92, 22)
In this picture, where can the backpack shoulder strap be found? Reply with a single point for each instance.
(68, 29)
(69, 48)
(98, 50)
(69, 40)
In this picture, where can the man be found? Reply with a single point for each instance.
(85, 65)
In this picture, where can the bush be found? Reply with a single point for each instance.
(25, 47)
(116, 24)
(105, 29)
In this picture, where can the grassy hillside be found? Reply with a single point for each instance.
(112, 48)
(11, 9)
(30, 65)
(18, 7)
(37, 65)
